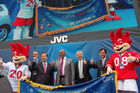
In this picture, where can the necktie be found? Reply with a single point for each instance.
(81, 70)
(61, 68)
(45, 67)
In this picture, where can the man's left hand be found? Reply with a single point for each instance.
(85, 62)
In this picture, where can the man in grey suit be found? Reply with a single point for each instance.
(65, 70)
(100, 64)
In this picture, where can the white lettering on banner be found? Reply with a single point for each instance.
(82, 20)
(105, 79)
(59, 39)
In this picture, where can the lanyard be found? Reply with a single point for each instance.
(120, 57)
(17, 68)
(121, 65)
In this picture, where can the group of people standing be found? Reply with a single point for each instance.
(67, 72)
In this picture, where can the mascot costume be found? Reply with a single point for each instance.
(124, 62)
(112, 11)
(16, 70)
(24, 18)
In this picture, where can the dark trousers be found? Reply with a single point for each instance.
(62, 80)
(31, 33)
(82, 80)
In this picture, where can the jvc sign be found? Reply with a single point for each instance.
(59, 39)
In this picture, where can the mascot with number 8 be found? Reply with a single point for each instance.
(16, 70)
(124, 62)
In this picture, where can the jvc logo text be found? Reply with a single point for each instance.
(59, 39)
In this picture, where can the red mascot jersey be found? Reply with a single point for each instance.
(125, 69)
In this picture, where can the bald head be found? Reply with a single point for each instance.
(62, 53)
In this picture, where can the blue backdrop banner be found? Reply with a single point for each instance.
(55, 20)
(89, 48)
(106, 83)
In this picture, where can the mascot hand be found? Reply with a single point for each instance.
(131, 59)
(39, 5)
(23, 78)
(1, 61)
(109, 70)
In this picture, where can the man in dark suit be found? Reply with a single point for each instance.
(82, 67)
(44, 71)
(100, 64)
(65, 70)
(32, 65)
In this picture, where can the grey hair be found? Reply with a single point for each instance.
(79, 51)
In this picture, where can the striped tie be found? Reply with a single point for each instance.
(45, 67)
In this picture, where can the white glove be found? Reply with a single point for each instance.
(23, 78)
(1, 61)
(131, 59)
(39, 5)
(109, 70)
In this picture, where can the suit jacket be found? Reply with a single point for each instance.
(33, 71)
(101, 69)
(69, 73)
(86, 73)
(42, 77)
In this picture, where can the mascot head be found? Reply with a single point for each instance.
(20, 53)
(120, 42)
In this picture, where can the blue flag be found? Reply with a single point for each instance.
(104, 84)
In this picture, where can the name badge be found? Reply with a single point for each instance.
(121, 66)
(35, 73)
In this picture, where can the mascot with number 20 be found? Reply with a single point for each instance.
(16, 70)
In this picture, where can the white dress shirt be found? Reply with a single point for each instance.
(80, 67)
(103, 61)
